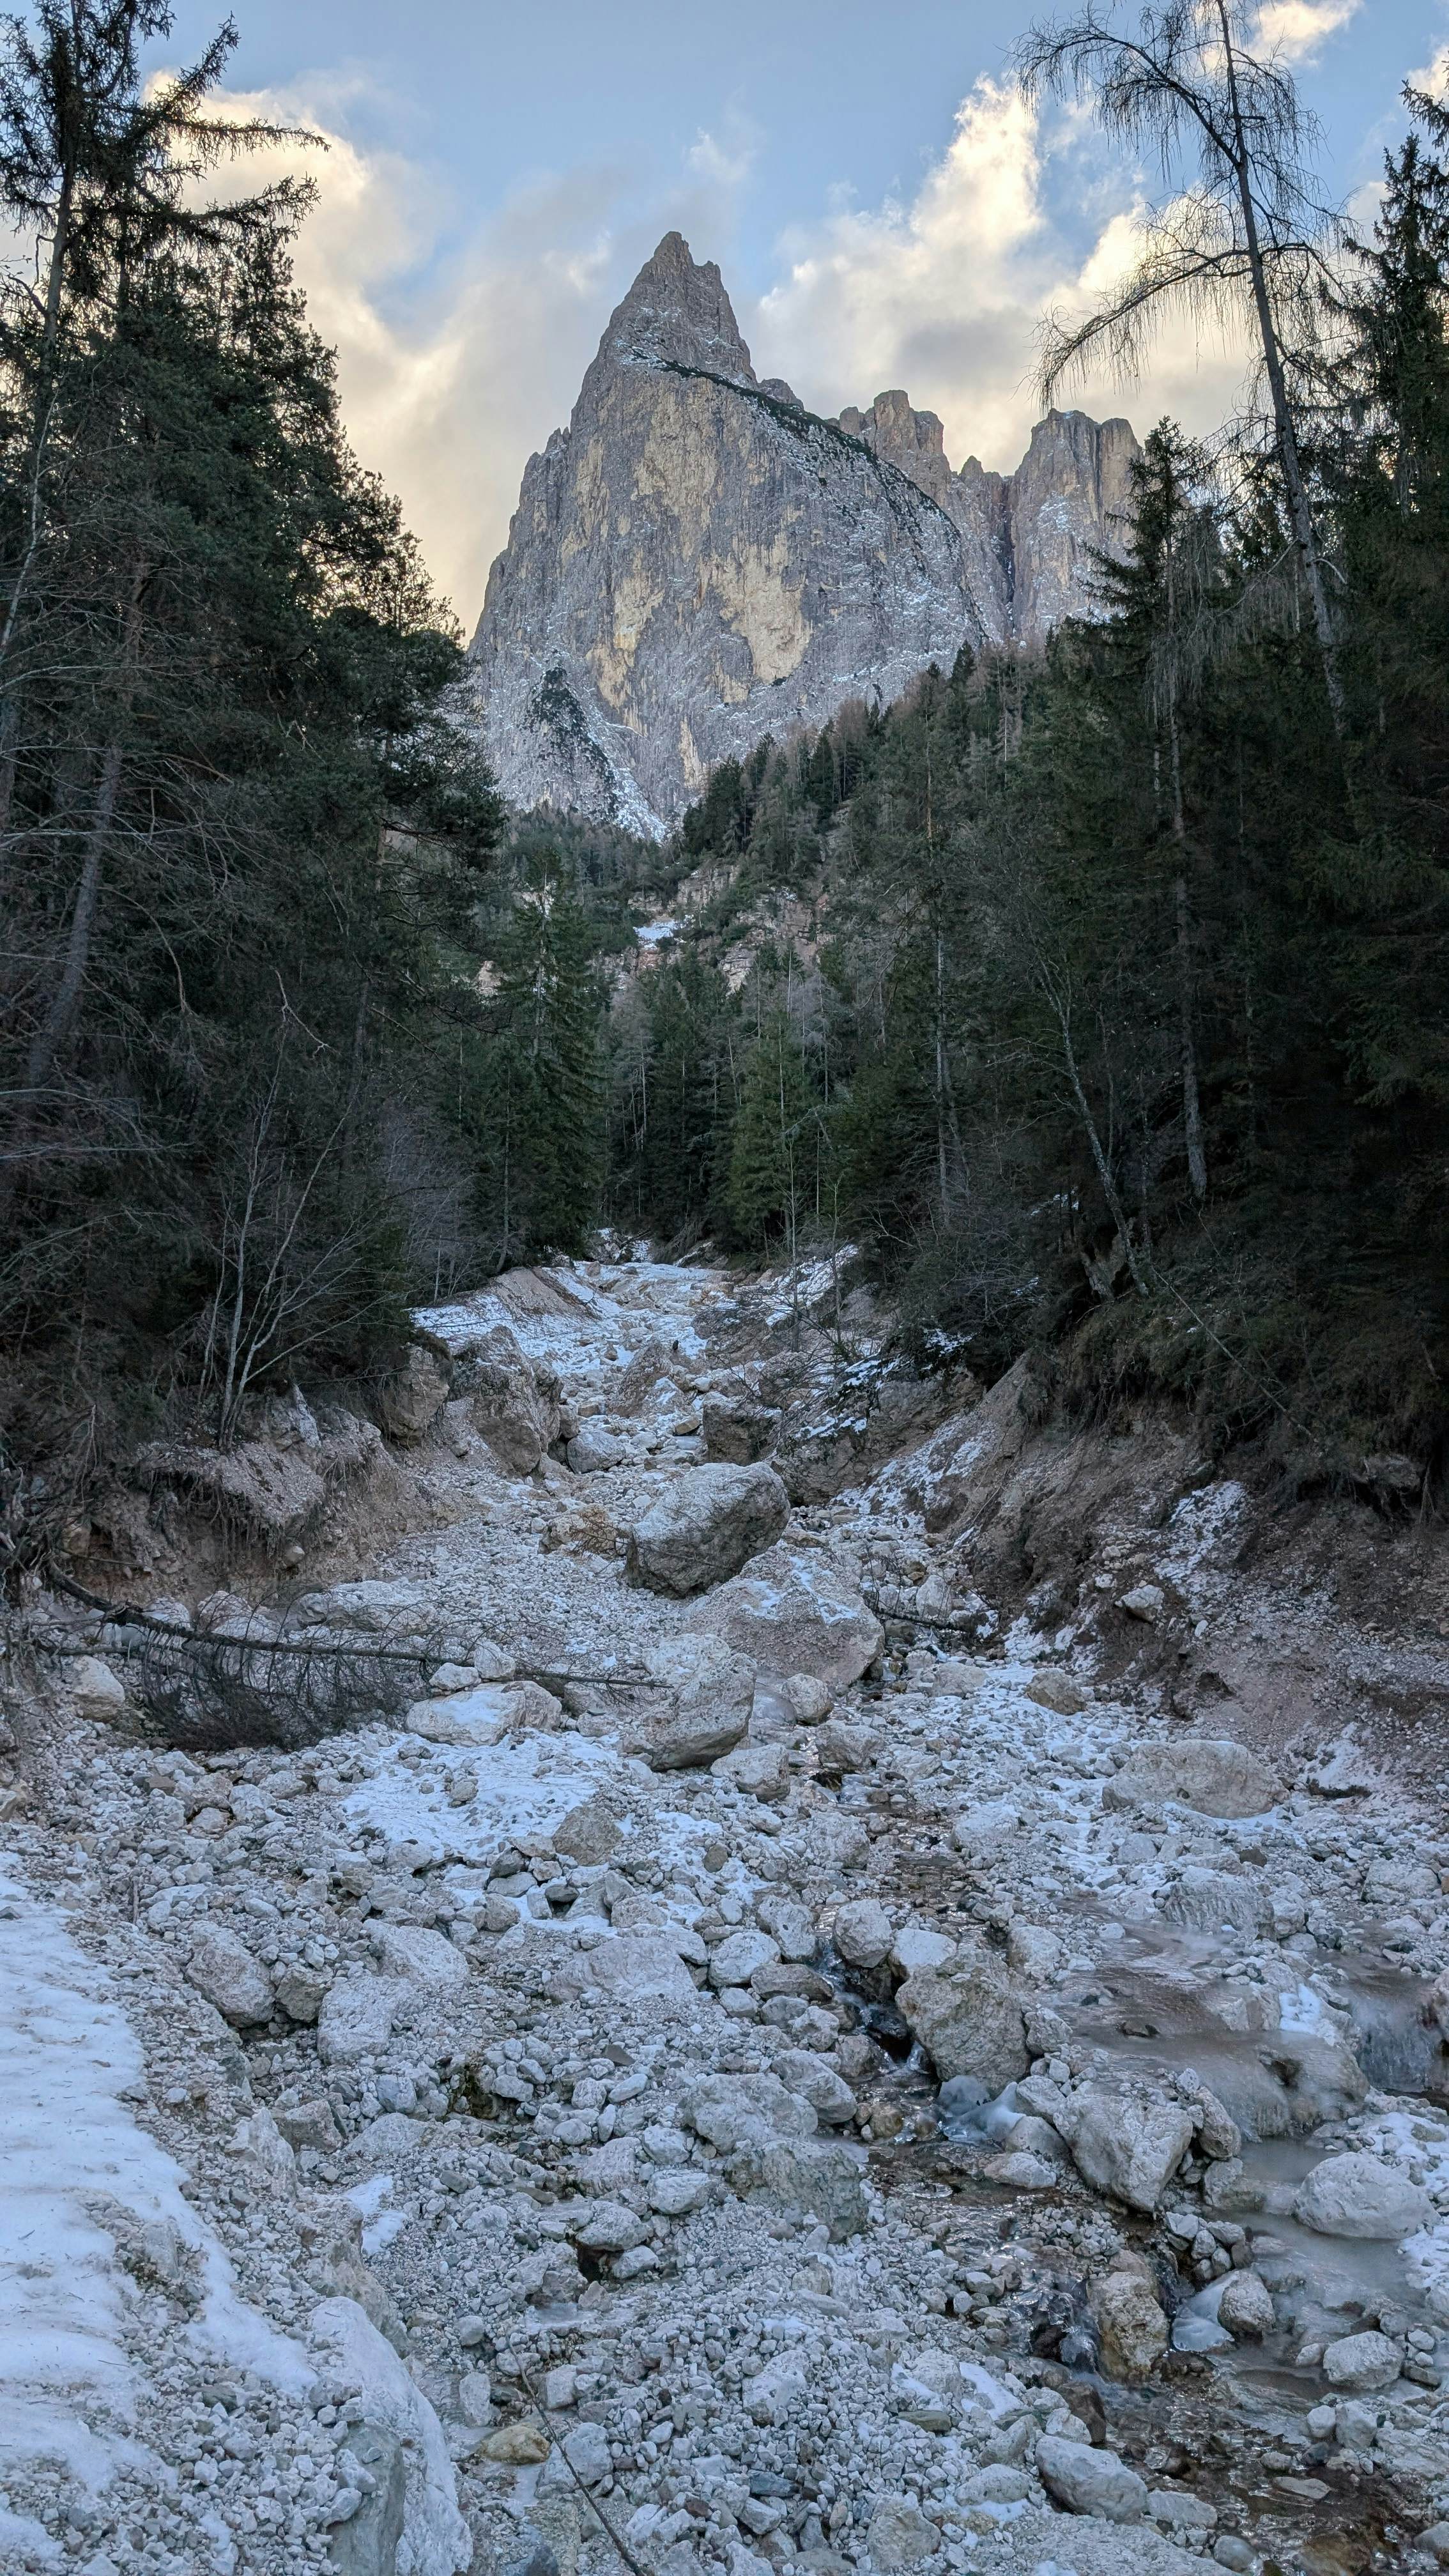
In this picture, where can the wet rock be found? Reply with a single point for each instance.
(1133, 2327)
(705, 1526)
(968, 2020)
(222, 1968)
(411, 1396)
(97, 1692)
(1357, 2196)
(1361, 2361)
(1087, 2481)
(737, 1432)
(863, 1933)
(1246, 2306)
(1126, 2138)
(1211, 1774)
(797, 1610)
(900, 2535)
(515, 1408)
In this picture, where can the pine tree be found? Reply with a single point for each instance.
(540, 1109)
(772, 1157)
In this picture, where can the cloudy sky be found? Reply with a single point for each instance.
(884, 208)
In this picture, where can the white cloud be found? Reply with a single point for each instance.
(944, 295)
(456, 358)
(454, 363)
(1295, 29)
(1433, 76)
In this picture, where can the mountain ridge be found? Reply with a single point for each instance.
(697, 559)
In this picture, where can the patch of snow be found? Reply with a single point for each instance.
(70, 2144)
(527, 1787)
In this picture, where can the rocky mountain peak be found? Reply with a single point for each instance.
(698, 560)
(678, 313)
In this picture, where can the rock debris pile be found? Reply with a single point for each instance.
(724, 2079)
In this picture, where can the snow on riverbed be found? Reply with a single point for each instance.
(523, 1788)
(78, 2176)
(586, 1317)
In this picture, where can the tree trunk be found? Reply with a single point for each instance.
(1191, 1096)
(59, 1020)
(1305, 535)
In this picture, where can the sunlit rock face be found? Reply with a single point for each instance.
(697, 561)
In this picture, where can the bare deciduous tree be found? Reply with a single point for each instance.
(1245, 239)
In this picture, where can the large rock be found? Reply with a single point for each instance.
(737, 1431)
(1356, 2363)
(411, 1396)
(697, 561)
(357, 2018)
(1357, 2196)
(694, 1708)
(706, 1524)
(968, 2020)
(1126, 2138)
(1209, 1773)
(734, 2111)
(797, 1610)
(97, 1692)
(863, 1932)
(899, 2535)
(593, 1450)
(807, 2177)
(514, 1405)
(1207, 1900)
(222, 1968)
(406, 1950)
(1133, 2327)
(1088, 2481)
(1246, 2306)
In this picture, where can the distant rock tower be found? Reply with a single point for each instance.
(697, 561)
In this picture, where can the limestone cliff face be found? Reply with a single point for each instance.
(697, 561)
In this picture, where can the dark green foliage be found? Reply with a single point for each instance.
(538, 1104)
(1134, 991)
(241, 838)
